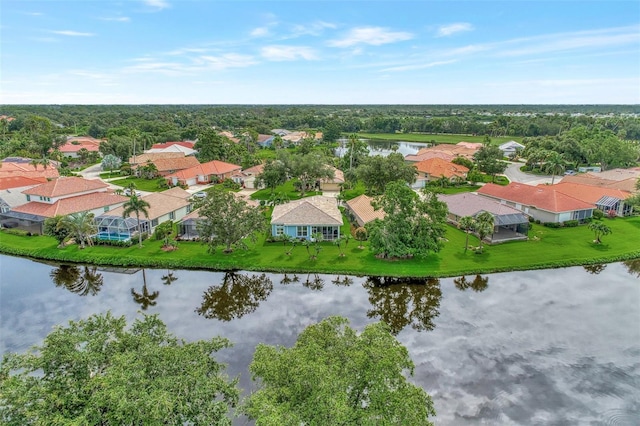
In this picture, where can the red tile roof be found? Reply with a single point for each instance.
(66, 186)
(20, 181)
(172, 164)
(540, 197)
(76, 143)
(214, 167)
(11, 169)
(588, 193)
(362, 208)
(71, 205)
(446, 151)
(437, 167)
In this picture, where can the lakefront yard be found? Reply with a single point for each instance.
(546, 248)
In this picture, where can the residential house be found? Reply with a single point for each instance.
(605, 199)
(167, 166)
(163, 145)
(308, 216)
(21, 167)
(184, 147)
(445, 151)
(361, 211)
(265, 141)
(542, 203)
(202, 174)
(229, 135)
(142, 159)
(332, 184)
(622, 179)
(172, 204)
(437, 168)
(247, 177)
(510, 148)
(74, 144)
(61, 197)
(188, 226)
(509, 223)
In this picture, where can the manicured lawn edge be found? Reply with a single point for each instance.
(547, 248)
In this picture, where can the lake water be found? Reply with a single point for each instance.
(384, 148)
(541, 347)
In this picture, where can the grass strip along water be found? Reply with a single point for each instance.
(546, 248)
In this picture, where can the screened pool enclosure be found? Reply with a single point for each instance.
(119, 228)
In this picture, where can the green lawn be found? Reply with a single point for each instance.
(285, 189)
(149, 185)
(439, 138)
(546, 248)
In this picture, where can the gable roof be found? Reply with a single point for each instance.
(445, 151)
(23, 168)
(588, 193)
(338, 176)
(593, 179)
(362, 208)
(66, 186)
(437, 167)
(76, 143)
(510, 145)
(70, 205)
(10, 182)
(255, 170)
(150, 156)
(316, 210)
(172, 148)
(185, 144)
(540, 197)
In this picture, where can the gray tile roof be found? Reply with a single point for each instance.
(316, 210)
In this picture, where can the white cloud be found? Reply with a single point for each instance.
(34, 13)
(288, 53)
(157, 4)
(260, 32)
(228, 60)
(117, 19)
(314, 28)
(419, 66)
(71, 33)
(450, 29)
(374, 36)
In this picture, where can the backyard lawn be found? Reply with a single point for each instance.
(149, 185)
(546, 248)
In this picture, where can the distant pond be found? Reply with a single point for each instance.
(543, 347)
(384, 148)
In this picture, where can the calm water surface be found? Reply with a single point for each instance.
(544, 347)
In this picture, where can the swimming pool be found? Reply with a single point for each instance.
(113, 236)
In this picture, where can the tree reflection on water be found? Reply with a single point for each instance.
(403, 301)
(82, 281)
(238, 295)
(145, 299)
(633, 266)
(595, 269)
(478, 284)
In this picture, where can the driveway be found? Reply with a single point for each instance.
(515, 175)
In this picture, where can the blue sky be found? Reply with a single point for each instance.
(319, 52)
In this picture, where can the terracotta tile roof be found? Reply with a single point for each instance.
(589, 193)
(437, 167)
(215, 167)
(593, 180)
(446, 151)
(12, 169)
(362, 208)
(255, 170)
(144, 158)
(427, 155)
(67, 186)
(71, 205)
(178, 163)
(469, 203)
(20, 181)
(316, 210)
(540, 197)
(76, 143)
(160, 203)
(338, 176)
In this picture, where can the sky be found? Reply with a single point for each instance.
(319, 52)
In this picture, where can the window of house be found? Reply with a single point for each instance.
(106, 209)
(28, 197)
(279, 230)
(172, 215)
(154, 222)
(301, 231)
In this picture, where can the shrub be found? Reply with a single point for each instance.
(112, 243)
(611, 214)
(552, 225)
(570, 223)
(598, 214)
(16, 231)
(361, 234)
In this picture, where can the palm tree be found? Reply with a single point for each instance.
(466, 224)
(45, 162)
(353, 142)
(555, 164)
(484, 226)
(80, 225)
(35, 162)
(600, 230)
(136, 205)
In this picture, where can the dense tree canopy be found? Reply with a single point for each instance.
(335, 376)
(377, 171)
(98, 372)
(227, 220)
(411, 227)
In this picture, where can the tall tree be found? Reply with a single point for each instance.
(110, 162)
(377, 171)
(600, 230)
(411, 227)
(98, 371)
(466, 223)
(309, 169)
(333, 375)
(489, 160)
(227, 220)
(274, 174)
(555, 164)
(136, 205)
(484, 223)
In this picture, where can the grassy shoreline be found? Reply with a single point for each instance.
(547, 248)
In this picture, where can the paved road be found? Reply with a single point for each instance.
(515, 175)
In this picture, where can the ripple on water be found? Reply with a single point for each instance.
(621, 417)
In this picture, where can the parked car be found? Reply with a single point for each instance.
(128, 193)
(570, 172)
(200, 194)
